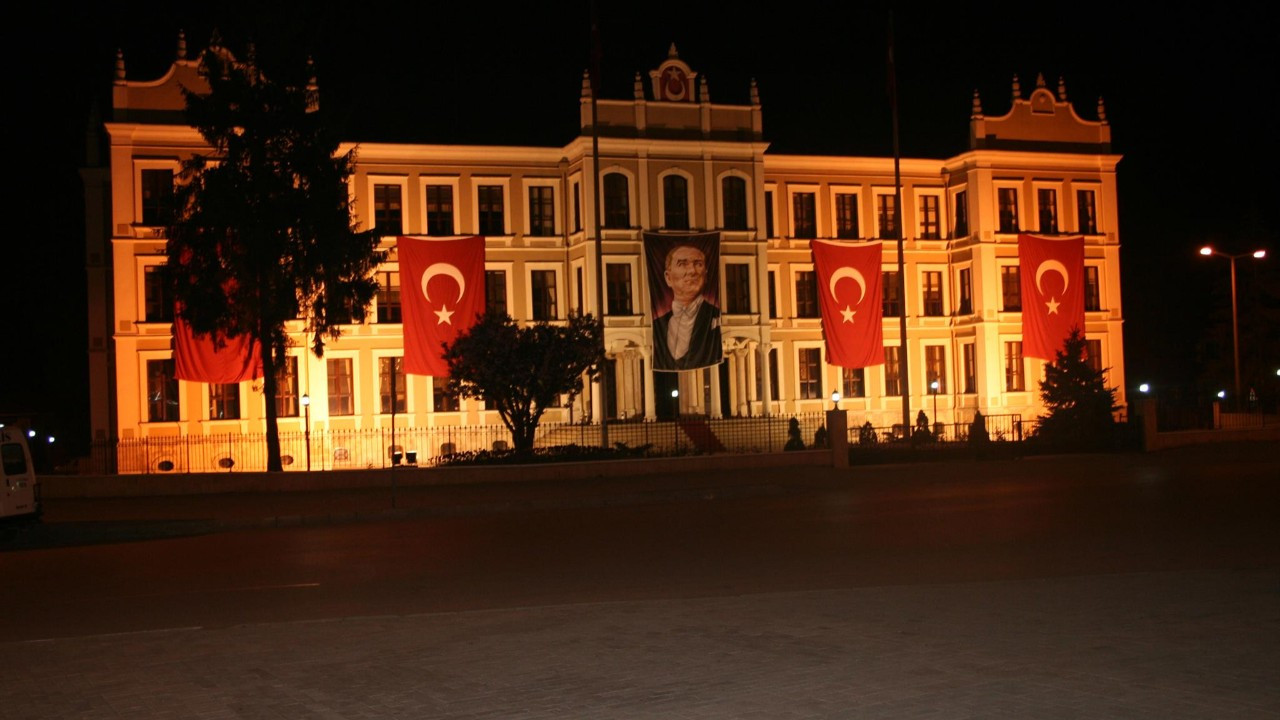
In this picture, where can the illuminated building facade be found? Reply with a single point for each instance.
(670, 159)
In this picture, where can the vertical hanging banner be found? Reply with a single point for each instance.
(442, 292)
(849, 297)
(218, 360)
(1052, 279)
(684, 282)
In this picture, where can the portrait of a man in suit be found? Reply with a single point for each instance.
(687, 336)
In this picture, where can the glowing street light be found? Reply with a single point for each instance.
(306, 406)
(1222, 394)
(933, 387)
(1144, 388)
(1207, 251)
(835, 399)
(675, 405)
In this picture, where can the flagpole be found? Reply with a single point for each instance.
(903, 355)
(595, 182)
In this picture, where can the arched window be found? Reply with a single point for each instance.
(733, 192)
(675, 202)
(617, 206)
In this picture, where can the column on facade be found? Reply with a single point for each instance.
(766, 384)
(740, 393)
(646, 355)
(716, 411)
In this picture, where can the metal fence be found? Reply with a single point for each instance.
(380, 448)
(1000, 428)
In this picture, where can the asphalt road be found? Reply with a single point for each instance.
(1044, 517)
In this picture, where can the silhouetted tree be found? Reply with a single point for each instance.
(520, 371)
(263, 232)
(1080, 404)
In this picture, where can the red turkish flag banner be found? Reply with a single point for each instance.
(848, 287)
(1052, 277)
(442, 292)
(198, 358)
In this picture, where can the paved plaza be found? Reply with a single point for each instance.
(1151, 645)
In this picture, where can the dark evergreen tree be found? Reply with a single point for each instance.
(1080, 404)
(520, 371)
(263, 231)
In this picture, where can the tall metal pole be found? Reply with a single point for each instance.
(904, 374)
(1235, 329)
(595, 182)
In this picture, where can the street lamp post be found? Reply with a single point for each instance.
(1208, 250)
(933, 387)
(306, 429)
(675, 417)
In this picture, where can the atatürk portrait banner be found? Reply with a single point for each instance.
(684, 282)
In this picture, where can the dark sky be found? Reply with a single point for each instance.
(1187, 90)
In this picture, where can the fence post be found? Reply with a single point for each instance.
(838, 437)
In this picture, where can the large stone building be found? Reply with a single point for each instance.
(670, 159)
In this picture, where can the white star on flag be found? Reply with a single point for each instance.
(848, 314)
(444, 313)
(1053, 305)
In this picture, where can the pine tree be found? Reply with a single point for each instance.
(1080, 404)
(263, 231)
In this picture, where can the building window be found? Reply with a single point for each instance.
(930, 218)
(439, 210)
(961, 214)
(1093, 354)
(617, 201)
(733, 190)
(287, 388)
(1010, 288)
(768, 214)
(810, 373)
(854, 382)
(1007, 199)
(931, 281)
(162, 391)
(891, 294)
(966, 291)
(542, 285)
(847, 216)
(892, 372)
(579, 286)
(1013, 376)
(804, 215)
(675, 202)
(1047, 200)
(970, 368)
(341, 387)
(495, 291)
(887, 215)
(618, 288)
(935, 367)
(224, 401)
(441, 399)
(157, 197)
(773, 296)
(391, 383)
(157, 301)
(389, 297)
(577, 207)
(489, 205)
(542, 210)
(737, 286)
(1087, 212)
(1092, 290)
(386, 210)
(806, 294)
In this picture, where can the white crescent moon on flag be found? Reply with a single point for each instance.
(848, 272)
(447, 270)
(1052, 266)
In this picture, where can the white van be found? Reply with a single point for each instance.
(19, 489)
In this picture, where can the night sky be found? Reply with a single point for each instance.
(1187, 94)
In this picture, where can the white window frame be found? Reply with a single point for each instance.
(943, 226)
(792, 191)
(633, 198)
(876, 194)
(507, 267)
(354, 357)
(368, 221)
(1019, 191)
(145, 356)
(949, 231)
(378, 355)
(750, 262)
(749, 197)
(823, 371)
(1058, 189)
(691, 199)
(557, 224)
(924, 368)
(1096, 189)
(634, 263)
(834, 217)
(140, 164)
(795, 269)
(558, 268)
(423, 183)
(941, 269)
(505, 183)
